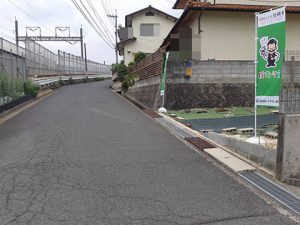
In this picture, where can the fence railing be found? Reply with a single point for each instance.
(36, 60)
(12, 59)
(150, 66)
(291, 55)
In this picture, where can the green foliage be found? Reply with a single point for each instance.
(113, 68)
(130, 67)
(121, 70)
(139, 56)
(10, 88)
(31, 88)
(128, 82)
(71, 81)
(56, 85)
(131, 64)
(61, 82)
(99, 79)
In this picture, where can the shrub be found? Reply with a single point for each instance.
(61, 82)
(55, 85)
(99, 78)
(31, 88)
(71, 81)
(139, 56)
(130, 66)
(128, 82)
(122, 71)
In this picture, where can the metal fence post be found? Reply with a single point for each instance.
(1, 51)
(11, 64)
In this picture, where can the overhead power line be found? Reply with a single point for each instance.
(93, 23)
(26, 13)
(100, 20)
(107, 38)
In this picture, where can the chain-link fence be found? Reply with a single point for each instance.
(69, 64)
(12, 59)
(36, 60)
(40, 60)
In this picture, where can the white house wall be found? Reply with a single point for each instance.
(146, 44)
(230, 35)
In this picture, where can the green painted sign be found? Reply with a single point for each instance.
(164, 76)
(270, 55)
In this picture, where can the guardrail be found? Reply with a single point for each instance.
(48, 82)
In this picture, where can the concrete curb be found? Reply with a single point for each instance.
(10, 114)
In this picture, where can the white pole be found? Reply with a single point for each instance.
(255, 63)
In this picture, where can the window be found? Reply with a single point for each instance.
(149, 14)
(149, 30)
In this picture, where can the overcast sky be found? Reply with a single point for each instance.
(48, 14)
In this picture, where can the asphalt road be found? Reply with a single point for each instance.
(84, 156)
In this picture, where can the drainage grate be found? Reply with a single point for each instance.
(278, 193)
(181, 132)
(199, 143)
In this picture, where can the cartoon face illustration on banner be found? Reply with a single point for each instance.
(269, 51)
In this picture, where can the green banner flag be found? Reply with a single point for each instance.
(270, 55)
(164, 76)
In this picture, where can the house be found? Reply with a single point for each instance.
(211, 60)
(181, 4)
(144, 31)
(217, 30)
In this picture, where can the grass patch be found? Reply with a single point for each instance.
(232, 112)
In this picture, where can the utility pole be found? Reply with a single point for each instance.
(86, 67)
(116, 34)
(17, 31)
(81, 42)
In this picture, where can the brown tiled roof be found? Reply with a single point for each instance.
(180, 4)
(237, 7)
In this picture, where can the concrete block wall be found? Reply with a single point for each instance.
(257, 153)
(146, 92)
(224, 72)
(213, 84)
(212, 72)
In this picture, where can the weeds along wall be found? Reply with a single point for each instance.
(36, 60)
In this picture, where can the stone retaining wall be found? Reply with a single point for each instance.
(197, 95)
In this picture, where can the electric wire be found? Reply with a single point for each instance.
(100, 20)
(22, 10)
(91, 24)
(107, 11)
(103, 33)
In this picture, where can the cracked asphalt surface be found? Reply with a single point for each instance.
(84, 156)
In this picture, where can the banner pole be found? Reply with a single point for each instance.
(255, 83)
(163, 84)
